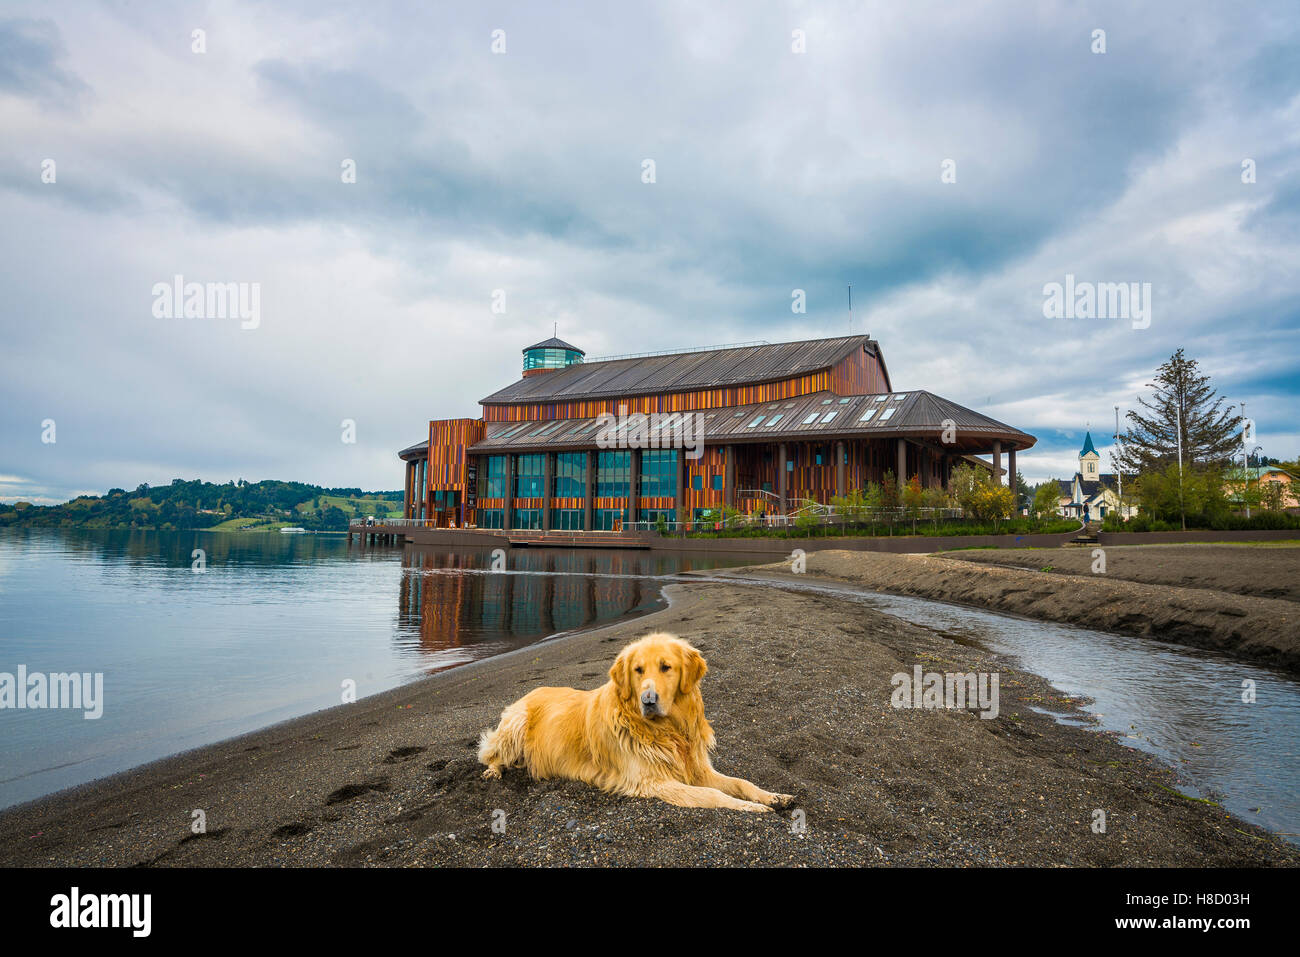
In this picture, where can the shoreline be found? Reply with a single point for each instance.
(798, 693)
(1253, 619)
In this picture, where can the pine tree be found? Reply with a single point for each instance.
(1210, 433)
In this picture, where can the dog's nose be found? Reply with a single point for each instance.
(649, 696)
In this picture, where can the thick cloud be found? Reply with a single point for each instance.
(522, 171)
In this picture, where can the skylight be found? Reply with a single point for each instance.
(830, 415)
(811, 417)
(867, 415)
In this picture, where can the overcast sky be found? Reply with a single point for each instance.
(522, 171)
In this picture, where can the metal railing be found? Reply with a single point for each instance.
(828, 517)
(673, 352)
(405, 523)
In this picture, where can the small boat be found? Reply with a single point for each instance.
(295, 530)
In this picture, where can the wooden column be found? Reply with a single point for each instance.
(634, 485)
(840, 467)
(589, 503)
(781, 479)
(729, 478)
(509, 502)
(548, 488)
(1011, 480)
(900, 474)
(997, 463)
(679, 496)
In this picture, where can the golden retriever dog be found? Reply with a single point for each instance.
(641, 734)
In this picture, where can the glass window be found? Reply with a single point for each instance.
(845, 401)
(567, 519)
(775, 419)
(529, 478)
(613, 473)
(867, 415)
(492, 482)
(527, 518)
(571, 475)
(717, 482)
(887, 413)
(810, 418)
(830, 415)
(755, 422)
(697, 482)
(658, 473)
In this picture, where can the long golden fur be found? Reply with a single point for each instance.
(641, 734)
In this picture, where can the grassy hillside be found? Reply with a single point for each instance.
(232, 506)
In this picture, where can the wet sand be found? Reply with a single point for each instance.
(1204, 596)
(1259, 569)
(798, 692)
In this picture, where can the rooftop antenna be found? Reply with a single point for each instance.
(850, 308)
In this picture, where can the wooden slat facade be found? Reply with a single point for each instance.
(737, 456)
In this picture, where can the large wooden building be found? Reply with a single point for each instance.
(774, 424)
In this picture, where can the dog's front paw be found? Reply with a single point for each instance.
(780, 800)
(754, 808)
(491, 774)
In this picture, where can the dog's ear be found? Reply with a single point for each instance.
(618, 674)
(694, 667)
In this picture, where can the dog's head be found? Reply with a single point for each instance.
(656, 673)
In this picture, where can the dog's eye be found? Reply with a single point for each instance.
(665, 667)
(639, 669)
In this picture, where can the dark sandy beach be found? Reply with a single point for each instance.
(798, 692)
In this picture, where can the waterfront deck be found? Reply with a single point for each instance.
(415, 532)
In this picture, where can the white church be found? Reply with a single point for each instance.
(1092, 494)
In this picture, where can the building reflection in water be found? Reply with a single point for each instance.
(455, 601)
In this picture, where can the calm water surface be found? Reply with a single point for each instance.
(269, 631)
(276, 623)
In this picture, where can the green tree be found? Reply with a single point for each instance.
(1183, 398)
(1047, 499)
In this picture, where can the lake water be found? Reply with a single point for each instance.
(274, 624)
(270, 629)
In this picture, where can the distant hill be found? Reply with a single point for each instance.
(234, 506)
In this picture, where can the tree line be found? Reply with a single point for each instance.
(197, 504)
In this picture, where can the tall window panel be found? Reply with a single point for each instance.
(613, 473)
(492, 482)
(529, 474)
(659, 473)
(571, 475)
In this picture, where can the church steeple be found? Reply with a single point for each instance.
(1089, 459)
